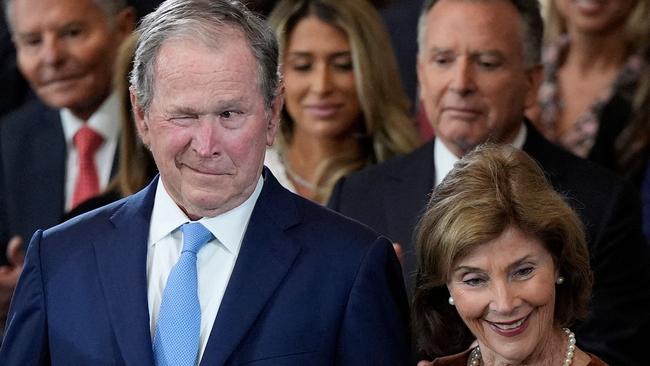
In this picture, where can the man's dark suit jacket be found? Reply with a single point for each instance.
(310, 287)
(391, 197)
(32, 171)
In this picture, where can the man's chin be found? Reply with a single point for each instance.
(70, 101)
(195, 212)
(460, 146)
(206, 206)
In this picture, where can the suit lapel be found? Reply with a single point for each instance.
(411, 183)
(546, 155)
(265, 258)
(409, 187)
(121, 260)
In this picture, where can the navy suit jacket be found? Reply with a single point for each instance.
(391, 197)
(309, 287)
(32, 171)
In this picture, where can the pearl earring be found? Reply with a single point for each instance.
(560, 280)
(451, 301)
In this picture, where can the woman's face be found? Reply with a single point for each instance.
(321, 95)
(504, 291)
(594, 16)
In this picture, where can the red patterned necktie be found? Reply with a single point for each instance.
(87, 142)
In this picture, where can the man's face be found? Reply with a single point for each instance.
(66, 50)
(473, 79)
(208, 124)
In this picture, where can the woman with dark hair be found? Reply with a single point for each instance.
(502, 260)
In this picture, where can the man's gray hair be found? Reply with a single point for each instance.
(531, 20)
(109, 7)
(208, 21)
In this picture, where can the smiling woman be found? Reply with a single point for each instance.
(345, 107)
(501, 259)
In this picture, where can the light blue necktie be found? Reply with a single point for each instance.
(176, 342)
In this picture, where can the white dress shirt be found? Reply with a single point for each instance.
(106, 121)
(215, 261)
(444, 159)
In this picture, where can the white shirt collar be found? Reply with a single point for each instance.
(228, 228)
(444, 159)
(520, 139)
(106, 120)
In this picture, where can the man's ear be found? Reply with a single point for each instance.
(139, 117)
(276, 113)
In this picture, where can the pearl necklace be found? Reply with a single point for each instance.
(475, 355)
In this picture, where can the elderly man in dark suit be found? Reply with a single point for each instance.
(476, 82)
(214, 263)
(65, 50)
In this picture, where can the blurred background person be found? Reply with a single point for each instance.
(136, 168)
(634, 144)
(501, 259)
(400, 17)
(66, 50)
(593, 60)
(60, 149)
(344, 105)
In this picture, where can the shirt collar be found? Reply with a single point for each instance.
(107, 120)
(228, 228)
(444, 159)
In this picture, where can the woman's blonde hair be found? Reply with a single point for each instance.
(488, 191)
(387, 129)
(136, 165)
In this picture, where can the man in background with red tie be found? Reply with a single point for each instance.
(59, 150)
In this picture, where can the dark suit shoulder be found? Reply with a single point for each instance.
(359, 194)
(89, 224)
(345, 233)
(396, 167)
(30, 115)
(565, 169)
(390, 196)
(593, 191)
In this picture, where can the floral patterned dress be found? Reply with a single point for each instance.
(580, 138)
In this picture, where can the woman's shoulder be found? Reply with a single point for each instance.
(459, 359)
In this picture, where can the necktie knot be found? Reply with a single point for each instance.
(195, 236)
(87, 141)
